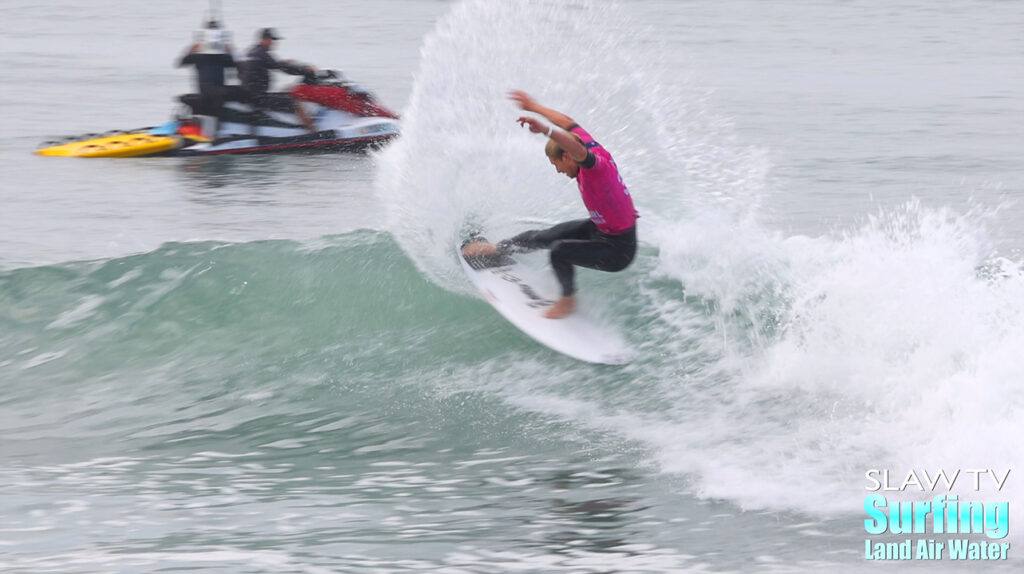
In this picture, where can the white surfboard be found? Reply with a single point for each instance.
(520, 294)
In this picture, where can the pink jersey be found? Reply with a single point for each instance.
(604, 193)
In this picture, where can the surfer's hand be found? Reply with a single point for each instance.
(524, 100)
(535, 125)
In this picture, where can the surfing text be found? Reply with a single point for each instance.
(944, 514)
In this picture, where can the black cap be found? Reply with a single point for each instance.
(269, 33)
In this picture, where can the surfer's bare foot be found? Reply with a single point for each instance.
(561, 308)
(479, 249)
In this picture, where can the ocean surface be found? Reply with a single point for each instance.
(274, 363)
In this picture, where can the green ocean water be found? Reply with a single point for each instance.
(212, 405)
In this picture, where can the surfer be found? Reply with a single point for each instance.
(606, 241)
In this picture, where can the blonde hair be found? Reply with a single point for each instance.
(554, 150)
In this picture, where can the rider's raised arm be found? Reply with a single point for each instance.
(566, 140)
(526, 102)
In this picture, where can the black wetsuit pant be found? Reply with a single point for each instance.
(576, 243)
(213, 96)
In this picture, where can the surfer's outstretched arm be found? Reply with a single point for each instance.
(562, 137)
(527, 103)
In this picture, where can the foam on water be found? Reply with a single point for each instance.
(888, 347)
(775, 369)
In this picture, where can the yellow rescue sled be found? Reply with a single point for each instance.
(121, 145)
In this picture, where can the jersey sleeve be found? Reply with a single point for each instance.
(588, 141)
(584, 135)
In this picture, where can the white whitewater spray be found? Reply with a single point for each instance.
(774, 371)
(462, 159)
(894, 347)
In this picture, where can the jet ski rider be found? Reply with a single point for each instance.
(255, 75)
(211, 56)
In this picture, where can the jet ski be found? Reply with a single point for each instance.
(345, 117)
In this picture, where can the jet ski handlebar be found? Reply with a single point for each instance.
(327, 78)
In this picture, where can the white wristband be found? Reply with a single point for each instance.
(550, 129)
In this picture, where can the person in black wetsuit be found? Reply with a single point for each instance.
(211, 57)
(256, 77)
(605, 241)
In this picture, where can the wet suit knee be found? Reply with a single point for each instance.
(544, 238)
(599, 254)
